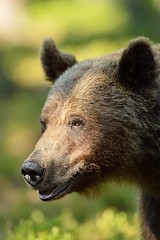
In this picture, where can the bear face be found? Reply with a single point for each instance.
(99, 122)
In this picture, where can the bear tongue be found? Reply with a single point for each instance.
(56, 193)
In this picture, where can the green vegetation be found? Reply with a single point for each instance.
(108, 225)
(87, 28)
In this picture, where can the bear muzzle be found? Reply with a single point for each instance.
(36, 176)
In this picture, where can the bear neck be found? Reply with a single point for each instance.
(150, 213)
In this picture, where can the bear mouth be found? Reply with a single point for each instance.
(56, 193)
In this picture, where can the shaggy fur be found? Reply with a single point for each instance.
(101, 123)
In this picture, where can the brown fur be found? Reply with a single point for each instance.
(101, 123)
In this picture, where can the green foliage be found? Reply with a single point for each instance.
(108, 225)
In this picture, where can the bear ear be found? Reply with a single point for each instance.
(54, 61)
(137, 65)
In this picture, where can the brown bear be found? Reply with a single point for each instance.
(101, 123)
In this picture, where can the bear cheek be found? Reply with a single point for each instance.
(81, 151)
(79, 156)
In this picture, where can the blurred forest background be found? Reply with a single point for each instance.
(86, 28)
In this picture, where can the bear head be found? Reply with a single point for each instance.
(99, 122)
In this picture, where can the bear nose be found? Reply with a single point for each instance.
(32, 172)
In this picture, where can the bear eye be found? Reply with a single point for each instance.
(43, 125)
(76, 123)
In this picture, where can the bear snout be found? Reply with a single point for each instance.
(33, 173)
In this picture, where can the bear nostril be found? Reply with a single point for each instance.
(32, 179)
(32, 172)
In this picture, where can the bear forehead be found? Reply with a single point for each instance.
(85, 77)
